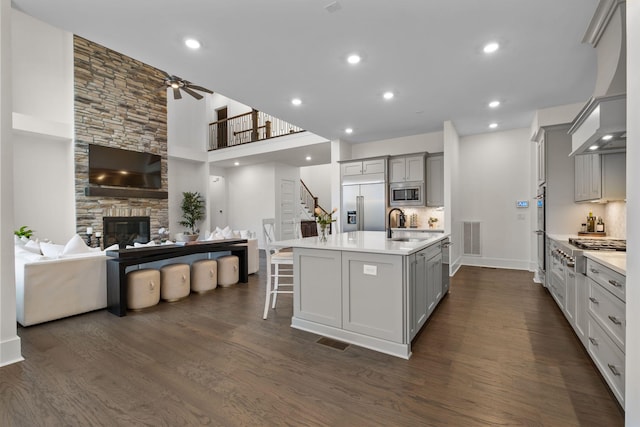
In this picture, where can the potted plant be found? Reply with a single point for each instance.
(192, 213)
(24, 231)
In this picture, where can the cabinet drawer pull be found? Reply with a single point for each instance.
(594, 271)
(615, 320)
(561, 270)
(593, 341)
(614, 283)
(593, 300)
(572, 275)
(613, 369)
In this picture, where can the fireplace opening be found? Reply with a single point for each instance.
(126, 230)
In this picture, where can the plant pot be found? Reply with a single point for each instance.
(189, 237)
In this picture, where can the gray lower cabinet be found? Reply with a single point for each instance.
(372, 303)
(425, 285)
(582, 307)
(321, 299)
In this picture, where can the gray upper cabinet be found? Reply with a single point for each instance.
(435, 180)
(407, 168)
(600, 177)
(363, 167)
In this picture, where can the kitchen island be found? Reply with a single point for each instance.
(362, 288)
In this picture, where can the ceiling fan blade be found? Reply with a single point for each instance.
(200, 88)
(196, 95)
(176, 93)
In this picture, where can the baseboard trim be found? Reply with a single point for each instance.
(10, 351)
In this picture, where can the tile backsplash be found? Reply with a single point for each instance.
(424, 214)
(615, 219)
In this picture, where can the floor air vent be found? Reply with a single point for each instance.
(339, 345)
(471, 234)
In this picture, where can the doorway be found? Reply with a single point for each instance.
(222, 128)
(287, 210)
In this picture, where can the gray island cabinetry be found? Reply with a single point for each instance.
(364, 289)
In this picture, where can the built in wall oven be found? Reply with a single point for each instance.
(406, 194)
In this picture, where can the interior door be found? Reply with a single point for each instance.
(287, 210)
(222, 128)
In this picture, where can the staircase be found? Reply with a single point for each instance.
(308, 205)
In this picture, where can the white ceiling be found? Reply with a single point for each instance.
(263, 53)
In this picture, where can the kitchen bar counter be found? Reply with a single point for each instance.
(362, 288)
(617, 261)
(365, 241)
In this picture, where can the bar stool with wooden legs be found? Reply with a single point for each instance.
(279, 265)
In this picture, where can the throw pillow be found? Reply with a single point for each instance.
(113, 247)
(244, 234)
(51, 250)
(33, 246)
(75, 246)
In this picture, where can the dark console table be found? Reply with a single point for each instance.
(123, 258)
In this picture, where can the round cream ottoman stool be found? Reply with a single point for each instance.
(228, 273)
(174, 282)
(143, 288)
(204, 275)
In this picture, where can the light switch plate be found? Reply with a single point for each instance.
(370, 270)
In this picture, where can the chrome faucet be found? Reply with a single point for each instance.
(389, 232)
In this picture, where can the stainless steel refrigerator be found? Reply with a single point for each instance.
(363, 206)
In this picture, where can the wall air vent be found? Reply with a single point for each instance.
(471, 236)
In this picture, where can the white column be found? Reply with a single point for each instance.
(9, 340)
(632, 394)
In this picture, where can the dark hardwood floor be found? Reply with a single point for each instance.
(497, 351)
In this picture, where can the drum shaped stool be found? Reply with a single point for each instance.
(228, 273)
(174, 282)
(143, 288)
(204, 275)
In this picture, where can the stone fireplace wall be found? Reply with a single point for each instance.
(117, 103)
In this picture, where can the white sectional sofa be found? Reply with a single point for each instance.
(49, 289)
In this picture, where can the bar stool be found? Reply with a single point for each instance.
(277, 260)
(204, 275)
(228, 270)
(174, 282)
(143, 288)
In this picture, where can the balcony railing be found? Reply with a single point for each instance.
(247, 127)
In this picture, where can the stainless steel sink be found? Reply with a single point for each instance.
(407, 239)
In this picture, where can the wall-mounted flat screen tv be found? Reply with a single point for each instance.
(124, 168)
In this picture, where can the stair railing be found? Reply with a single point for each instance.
(248, 127)
(310, 202)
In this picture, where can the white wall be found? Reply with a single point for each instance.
(633, 211)
(44, 181)
(234, 108)
(251, 197)
(187, 123)
(185, 175)
(494, 170)
(429, 142)
(42, 70)
(318, 180)
(452, 200)
(9, 340)
(217, 202)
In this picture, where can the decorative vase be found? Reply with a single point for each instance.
(322, 232)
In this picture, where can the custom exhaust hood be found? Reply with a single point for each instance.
(601, 125)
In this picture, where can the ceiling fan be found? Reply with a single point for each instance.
(177, 84)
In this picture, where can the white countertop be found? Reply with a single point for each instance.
(418, 230)
(364, 241)
(617, 261)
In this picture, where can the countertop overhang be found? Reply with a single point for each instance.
(364, 241)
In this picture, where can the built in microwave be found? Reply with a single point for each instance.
(406, 194)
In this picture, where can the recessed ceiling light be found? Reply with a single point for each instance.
(494, 104)
(192, 43)
(491, 47)
(348, 130)
(296, 101)
(493, 125)
(593, 147)
(353, 59)
(388, 95)
(308, 158)
(236, 163)
(607, 137)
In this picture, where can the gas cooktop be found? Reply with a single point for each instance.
(600, 244)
